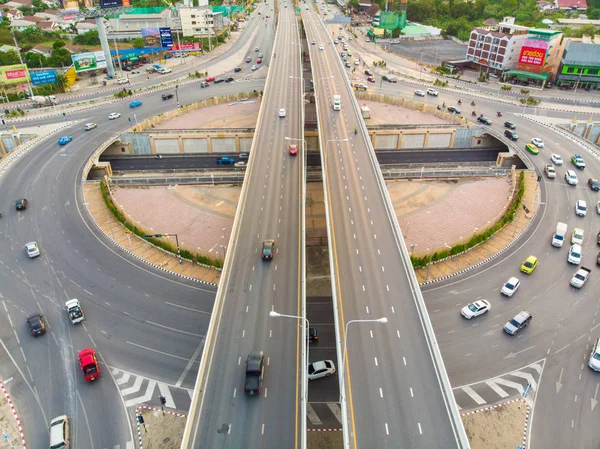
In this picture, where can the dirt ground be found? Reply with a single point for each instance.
(8, 424)
(162, 431)
(499, 428)
(325, 440)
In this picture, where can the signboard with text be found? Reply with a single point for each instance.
(166, 37)
(189, 47)
(45, 77)
(151, 37)
(114, 3)
(12, 74)
(84, 62)
(533, 52)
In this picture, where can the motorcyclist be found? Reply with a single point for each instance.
(473, 112)
(473, 103)
(499, 113)
(355, 130)
(459, 102)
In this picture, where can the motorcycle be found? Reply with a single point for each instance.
(473, 103)
(459, 102)
(473, 112)
(355, 130)
(499, 114)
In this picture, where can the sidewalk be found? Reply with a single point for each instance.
(139, 248)
(488, 250)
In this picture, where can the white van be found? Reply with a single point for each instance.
(558, 238)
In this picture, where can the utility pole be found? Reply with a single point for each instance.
(22, 63)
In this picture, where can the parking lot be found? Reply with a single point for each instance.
(430, 52)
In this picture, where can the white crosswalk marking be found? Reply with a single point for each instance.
(191, 393)
(134, 388)
(526, 376)
(164, 391)
(473, 395)
(130, 445)
(312, 416)
(499, 391)
(536, 367)
(140, 399)
(335, 409)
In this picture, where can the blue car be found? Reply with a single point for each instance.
(225, 160)
(65, 140)
(135, 104)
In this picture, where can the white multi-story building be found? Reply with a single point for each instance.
(199, 20)
(497, 50)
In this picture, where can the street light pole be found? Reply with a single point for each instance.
(177, 94)
(342, 368)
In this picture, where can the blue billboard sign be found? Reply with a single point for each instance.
(166, 37)
(45, 77)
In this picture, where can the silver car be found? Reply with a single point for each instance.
(594, 361)
(514, 325)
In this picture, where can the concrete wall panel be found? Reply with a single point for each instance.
(9, 143)
(245, 144)
(195, 146)
(223, 145)
(386, 142)
(140, 143)
(439, 140)
(413, 140)
(167, 146)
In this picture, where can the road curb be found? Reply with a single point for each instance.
(15, 414)
(491, 407)
(323, 430)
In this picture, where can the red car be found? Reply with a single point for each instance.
(293, 150)
(258, 61)
(89, 364)
(209, 79)
(371, 79)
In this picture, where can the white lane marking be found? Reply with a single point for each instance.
(387, 430)
(166, 393)
(147, 396)
(336, 410)
(134, 388)
(499, 391)
(189, 365)
(123, 379)
(175, 330)
(420, 430)
(527, 377)
(473, 395)
(411, 393)
(312, 415)
(375, 358)
(380, 393)
(156, 350)
(187, 308)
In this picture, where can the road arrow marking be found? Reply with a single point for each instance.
(559, 384)
(514, 354)
(594, 401)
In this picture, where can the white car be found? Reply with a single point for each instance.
(476, 308)
(239, 164)
(122, 80)
(113, 115)
(577, 236)
(89, 126)
(510, 287)
(598, 207)
(32, 249)
(323, 368)
(164, 70)
(594, 361)
(313, 42)
(321, 47)
(254, 67)
(574, 256)
(571, 178)
(282, 112)
(356, 62)
(349, 38)
(537, 142)
(580, 208)
(336, 42)
(432, 92)
(419, 93)
(556, 159)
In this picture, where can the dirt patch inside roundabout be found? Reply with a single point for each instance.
(161, 430)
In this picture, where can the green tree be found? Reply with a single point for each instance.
(58, 44)
(89, 38)
(138, 42)
(588, 29)
(60, 57)
(31, 35)
(35, 60)
(593, 13)
(9, 57)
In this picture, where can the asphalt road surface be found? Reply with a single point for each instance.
(394, 395)
(270, 208)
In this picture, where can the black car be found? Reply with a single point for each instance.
(166, 96)
(218, 80)
(454, 110)
(594, 184)
(511, 135)
(237, 69)
(204, 84)
(510, 125)
(368, 72)
(388, 79)
(484, 120)
(21, 204)
(228, 80)
(37, 324)
(313, 335)
(268, 249)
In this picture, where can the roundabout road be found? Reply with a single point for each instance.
(145, 324)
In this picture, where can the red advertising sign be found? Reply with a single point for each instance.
(532, 55)
(15, 74)
(194, 46)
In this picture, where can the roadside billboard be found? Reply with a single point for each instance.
(45, 77)
(84, 62)
(533, 52)
(114, 3)
(187, 47)
(166, 37)
(151, 37)
(12, 74)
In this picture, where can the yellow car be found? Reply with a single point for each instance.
(532, 148)
(529, 265)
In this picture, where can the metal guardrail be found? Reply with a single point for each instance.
(314, 175)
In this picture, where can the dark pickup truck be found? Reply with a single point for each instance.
(255, 369)
(166, 96)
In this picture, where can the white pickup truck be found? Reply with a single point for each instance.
(581, 277)
(74, 311)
